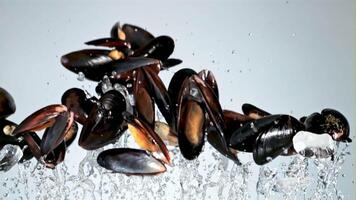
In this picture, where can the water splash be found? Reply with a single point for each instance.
(211, 176)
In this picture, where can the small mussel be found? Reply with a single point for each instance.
(130, 161)
(7, 104)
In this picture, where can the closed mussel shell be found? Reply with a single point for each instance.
(130, 161)
(7, 104)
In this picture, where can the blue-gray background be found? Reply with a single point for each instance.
(293, 57)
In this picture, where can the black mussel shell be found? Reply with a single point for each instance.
(76, 101)
(170, 62)
(110, 42)
(191, 121)
(55, 134)
(105, 123)
(159, 48)
(275, 138)
(314, 122)
(95, 63)
(53, 158)
(253, 111)
(234, 121)
(136, 36)
(243, 138)
(176, 84)
(7, 104)
(160, 96)
(130, 161)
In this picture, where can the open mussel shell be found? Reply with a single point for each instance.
(95, 63)
(170, 62)
(274, 138)
(130, 161)
(144, 104)
(176, 84)
(253, 111)
(53, 158)
(145, 136)
(159, 48)
(40, 119)
(191, 121)
(54, 135)
(136, 36)
(160, 96)
(336, 125)
(105, 123)
(76, 101)
(7, 104)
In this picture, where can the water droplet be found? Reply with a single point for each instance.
(233, 52)
(81, 76)
(193, 54)
(250, 34)
(293, 34)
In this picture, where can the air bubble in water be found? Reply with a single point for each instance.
(81, 76)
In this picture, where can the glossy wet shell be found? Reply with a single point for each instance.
(191, 129)
(275, 138)
(40, 119)
(130, 162)
(76, 101)
(7, 104)
(253, 111)
(136, 36)
(105, 123)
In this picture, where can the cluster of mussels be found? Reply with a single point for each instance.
(129, 88)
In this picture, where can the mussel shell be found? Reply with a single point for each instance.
(253, 111)
(243, 139)
(159, 48)
(76, 101)
(105, 123)
(71, 134)
(160, 95)
(234, 121)
(119, 44)
(170, 62)
(176, 84)
(130, 161)
(7, 104)
(275, 138)
(314, 122)
(136, 36)
(191, 121)
(143, 101)
(40, 119)
(54, 135)
(336, 125)
(56, 156)
(95, 63)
